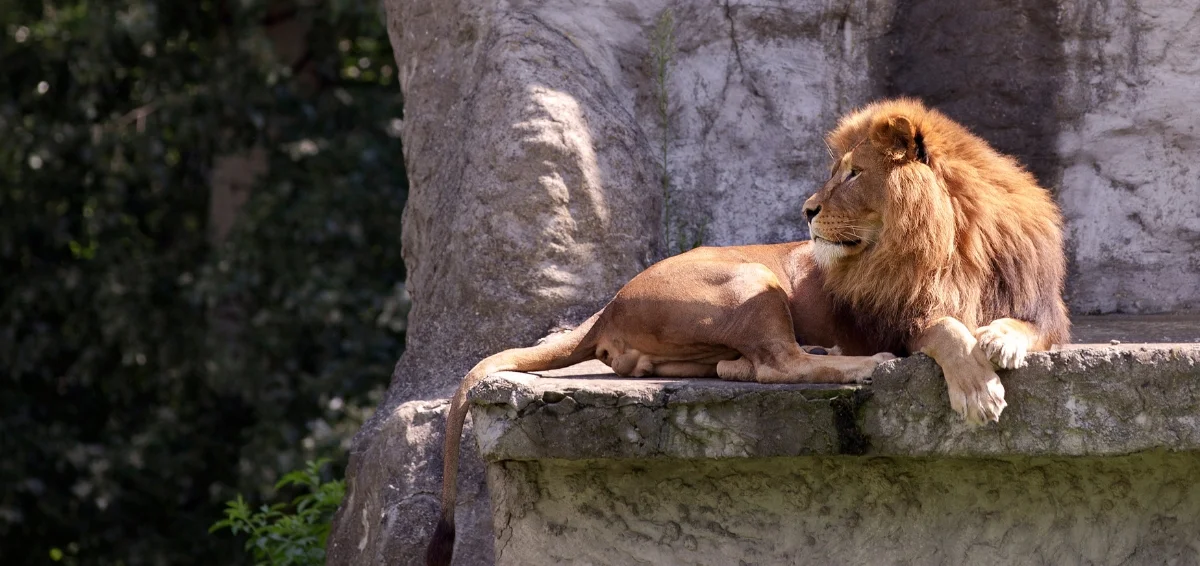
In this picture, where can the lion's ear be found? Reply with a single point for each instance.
(898, 138)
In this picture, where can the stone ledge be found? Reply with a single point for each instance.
(1086, 400)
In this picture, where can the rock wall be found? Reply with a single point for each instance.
(1128, 146)
(532, 201)
(533, 141)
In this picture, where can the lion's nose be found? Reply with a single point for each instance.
(811, 213)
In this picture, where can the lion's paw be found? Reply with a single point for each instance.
(1004, 346)
(976, 393)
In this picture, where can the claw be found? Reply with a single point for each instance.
(1004, 348)
(976, 393)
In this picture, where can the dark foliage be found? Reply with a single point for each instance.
(147, 373)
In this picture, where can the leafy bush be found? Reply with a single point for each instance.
(149, 370)
(288, 535)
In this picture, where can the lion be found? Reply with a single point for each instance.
(924, 239)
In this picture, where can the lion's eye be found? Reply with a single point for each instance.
(853, 173)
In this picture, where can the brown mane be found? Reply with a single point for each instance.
(972, 236)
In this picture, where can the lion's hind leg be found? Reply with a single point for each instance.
(685, 369)
(631, 363)
(740, 369)
(760, 329)
(789, 363)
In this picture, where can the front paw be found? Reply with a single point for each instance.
(1004, 346)
(976, 393)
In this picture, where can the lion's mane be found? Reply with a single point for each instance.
(967, 233)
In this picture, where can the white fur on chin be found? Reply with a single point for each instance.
(826, 253)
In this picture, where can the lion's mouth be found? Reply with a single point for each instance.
(843, 243)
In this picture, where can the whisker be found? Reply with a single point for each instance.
(853, 228)
(853, 232)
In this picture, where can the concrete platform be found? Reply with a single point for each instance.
(1095, 461)
(1136, 328)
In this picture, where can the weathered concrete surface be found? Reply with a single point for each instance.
(1161, 328)
(1094, 462)
(532, 139)
(1142, 509)
(1096, 401)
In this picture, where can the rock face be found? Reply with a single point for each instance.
(1130, 184)
(1094, 99)
(533, 200)
(534, 141)
(1093, 463)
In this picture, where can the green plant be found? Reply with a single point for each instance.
(288, 534)
(678, 236)
(662, 52)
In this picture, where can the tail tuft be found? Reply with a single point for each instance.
(441, 547)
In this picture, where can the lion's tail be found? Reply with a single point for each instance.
(556, 352)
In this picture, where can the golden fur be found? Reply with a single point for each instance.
(969, 233)
(921, 234)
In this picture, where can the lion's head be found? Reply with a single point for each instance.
(921, 219)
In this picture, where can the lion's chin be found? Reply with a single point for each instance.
(828, 253)
(841, 244)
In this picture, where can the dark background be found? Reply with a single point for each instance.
(200, 275)
(994, 65)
